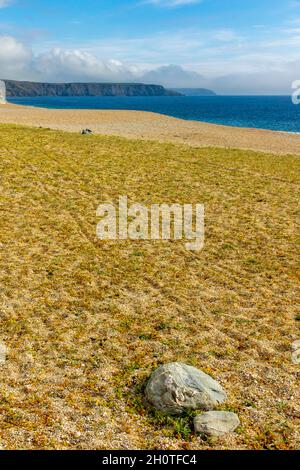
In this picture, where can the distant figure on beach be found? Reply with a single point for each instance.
(2, 92)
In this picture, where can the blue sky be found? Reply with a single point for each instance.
(235, 47)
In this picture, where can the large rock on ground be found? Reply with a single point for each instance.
(216, 423)
(174, 388)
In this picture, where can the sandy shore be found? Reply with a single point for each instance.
(151, 126)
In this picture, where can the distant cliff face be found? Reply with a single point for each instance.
(195, 91)
(19, 89)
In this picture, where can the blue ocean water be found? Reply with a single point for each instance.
(263, 112)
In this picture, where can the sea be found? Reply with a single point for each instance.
(263, 112)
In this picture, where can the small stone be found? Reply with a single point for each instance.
(216, 423)
(174, 388)
(3, 352)
(296, 352)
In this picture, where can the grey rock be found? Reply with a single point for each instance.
(174, 388)
(216, 423)
(296, 352)
(296, 345)
(3, 352)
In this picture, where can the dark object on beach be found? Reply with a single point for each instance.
(86, 132)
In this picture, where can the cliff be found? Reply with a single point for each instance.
(195, 91)
(18, 89)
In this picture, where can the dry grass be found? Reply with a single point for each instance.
(86, 322)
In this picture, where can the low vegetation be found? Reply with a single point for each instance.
(86, 322)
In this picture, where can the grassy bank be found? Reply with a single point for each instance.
(86, 322)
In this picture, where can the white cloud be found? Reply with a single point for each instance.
(174, 76)
(74, 65)
(63, 65)
(172, 3)
(225, 35)
(5, 3)
(225, 65)
(15, 57)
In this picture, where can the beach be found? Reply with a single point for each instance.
(152, 126)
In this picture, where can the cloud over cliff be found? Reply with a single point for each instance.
(174, 76)
(18, 62)
(75, 65)
(260, 74)
(15, 57)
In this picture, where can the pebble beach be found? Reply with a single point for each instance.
(152, 126)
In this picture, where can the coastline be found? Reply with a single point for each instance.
(152, 126)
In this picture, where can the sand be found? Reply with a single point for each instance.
(152, 126)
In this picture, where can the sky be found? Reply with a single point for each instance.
(230, 46)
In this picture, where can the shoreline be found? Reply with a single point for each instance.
(160, 114)
(147, 125)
